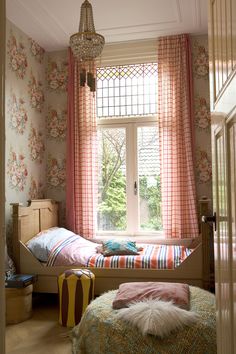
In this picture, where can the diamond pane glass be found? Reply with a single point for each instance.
(127, 80)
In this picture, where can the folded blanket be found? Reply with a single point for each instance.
(138, 291)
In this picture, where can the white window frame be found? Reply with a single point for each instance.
(132, 52)
(131, 125)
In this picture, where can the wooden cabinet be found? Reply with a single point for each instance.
(222, 55)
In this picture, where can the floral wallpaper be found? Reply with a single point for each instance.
(202, 119)
(56, 172)
(36, 95)
(17, 171)
(56, 116)
(25, 121)
(200, 59)
(17, 113)
(36, 115)
(57, 73)
(36, 145)
(56, 124)
(36, 190)
(36, 51)
(17, 56)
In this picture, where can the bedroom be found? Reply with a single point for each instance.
(38, 151)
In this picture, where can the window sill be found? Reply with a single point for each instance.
(140, 239)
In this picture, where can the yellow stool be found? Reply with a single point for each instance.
(76, 290)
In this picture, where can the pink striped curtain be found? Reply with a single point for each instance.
(175, 119)
(81, 182)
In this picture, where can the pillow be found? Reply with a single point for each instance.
(138, 291)
(119, 247)
(157, 317)
(99, 249)
(42, 244)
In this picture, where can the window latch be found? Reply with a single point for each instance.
(135, 188)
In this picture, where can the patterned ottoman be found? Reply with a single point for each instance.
(76, 290)
(101, 332)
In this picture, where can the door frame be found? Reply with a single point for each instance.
(2, 173)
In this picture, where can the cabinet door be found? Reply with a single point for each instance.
(222, 34)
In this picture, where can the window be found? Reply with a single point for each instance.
(126, 90)
(129, 199)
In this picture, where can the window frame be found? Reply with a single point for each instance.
(131, 125)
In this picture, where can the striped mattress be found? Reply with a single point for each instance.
(76, 252)
(151, 257)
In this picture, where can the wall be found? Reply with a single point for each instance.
(36, 110)
(25, 120)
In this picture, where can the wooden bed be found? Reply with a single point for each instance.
(42, 214)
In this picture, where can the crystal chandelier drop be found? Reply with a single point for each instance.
(86, 45)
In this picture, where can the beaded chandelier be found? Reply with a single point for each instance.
(86, 44)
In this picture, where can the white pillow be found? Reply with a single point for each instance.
(156, 317)
(42, 244)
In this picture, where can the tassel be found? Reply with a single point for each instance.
(91, 82)
(82, 77)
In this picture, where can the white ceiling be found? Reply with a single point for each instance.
(51, 22)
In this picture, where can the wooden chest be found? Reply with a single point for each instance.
(18, 304)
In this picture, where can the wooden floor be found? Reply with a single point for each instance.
(41, 334)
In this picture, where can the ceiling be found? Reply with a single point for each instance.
(51, 22)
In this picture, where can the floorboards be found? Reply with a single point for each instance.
(42, 333)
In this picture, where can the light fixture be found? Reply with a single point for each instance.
(86, 45)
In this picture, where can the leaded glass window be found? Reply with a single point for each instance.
(127, 90)
(129, 186)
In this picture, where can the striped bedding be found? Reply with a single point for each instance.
(76, 252)
(152, 257)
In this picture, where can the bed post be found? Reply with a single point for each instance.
(16, 235)
(206, 236)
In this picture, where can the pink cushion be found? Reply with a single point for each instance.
(138, 291)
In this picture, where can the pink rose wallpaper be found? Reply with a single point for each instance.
(17, 113)
(35, 89)
(57, 75)
(17, 171)
(37, 51)
(17, 56)
(36, 145)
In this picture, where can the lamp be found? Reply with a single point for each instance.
(86, 44)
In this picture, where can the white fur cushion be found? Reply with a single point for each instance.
(156, 317)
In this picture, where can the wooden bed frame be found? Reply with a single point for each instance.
(43, 213)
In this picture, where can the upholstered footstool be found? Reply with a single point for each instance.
(76, 290)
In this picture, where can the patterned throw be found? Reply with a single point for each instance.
(73, 252)
(100, 331)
